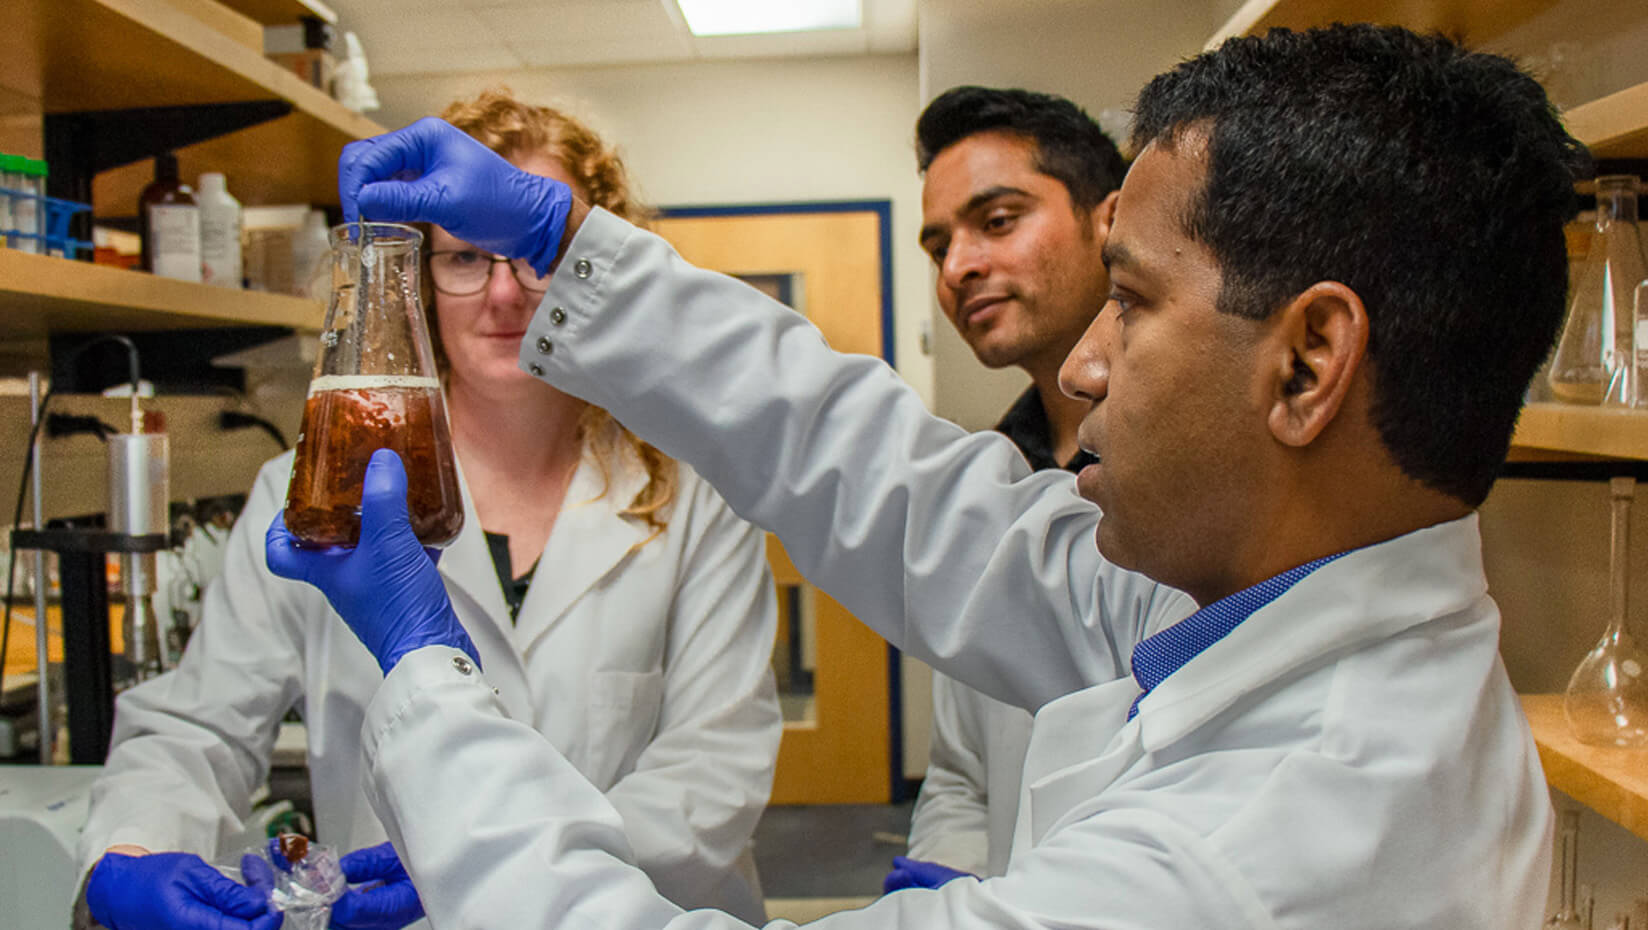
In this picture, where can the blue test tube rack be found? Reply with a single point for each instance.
(54, 214)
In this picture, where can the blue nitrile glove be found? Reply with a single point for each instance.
(914, 873)
(433, 172)
(387, 900)
(173, 891)
(385, 587)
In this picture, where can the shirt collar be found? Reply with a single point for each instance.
(1163, 653)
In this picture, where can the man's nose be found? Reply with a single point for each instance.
(965, 258)
(1085, 374)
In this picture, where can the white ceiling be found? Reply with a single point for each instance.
(445, 36)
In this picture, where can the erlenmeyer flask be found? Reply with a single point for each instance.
(1566, 916)
(1591, 364)
(375, 387)
(1607, 699)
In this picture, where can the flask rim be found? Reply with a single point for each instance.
(388, 234)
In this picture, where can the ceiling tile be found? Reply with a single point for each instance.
(427, 29)
(569, 54)
(442, 60)
(574, 24)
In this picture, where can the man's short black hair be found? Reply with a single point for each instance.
(1070, 146)
(1432, 180)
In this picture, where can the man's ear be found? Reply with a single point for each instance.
(1321, 341)
(1104, 214)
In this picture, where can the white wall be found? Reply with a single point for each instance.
(743, 132)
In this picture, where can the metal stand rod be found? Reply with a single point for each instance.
(41, 582)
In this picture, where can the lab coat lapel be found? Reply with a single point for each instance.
(589, 540)
(1079, 745)
(472, 582)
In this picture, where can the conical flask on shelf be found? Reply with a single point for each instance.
(375, 387)
(1607, 699)
(1592, 363)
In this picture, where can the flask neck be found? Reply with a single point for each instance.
(1622, 490)
(1616, 200)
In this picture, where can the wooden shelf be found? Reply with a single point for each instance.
(1615, 126)
(1612, 782)
(1475, 21)
(75, 55)
(282, 12)
(40, 294)
(1592, 431)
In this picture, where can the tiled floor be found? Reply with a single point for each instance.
(818, 860)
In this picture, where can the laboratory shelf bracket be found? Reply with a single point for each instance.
(79, 145)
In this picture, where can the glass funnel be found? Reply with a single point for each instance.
(1592, 360)
(1607, 699)
(375, 387)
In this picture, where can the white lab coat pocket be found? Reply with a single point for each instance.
(624, 708)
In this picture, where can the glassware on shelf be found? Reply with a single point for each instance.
(1566, 916)
(1592, 363)
(375, 386)
(1639, 350)
(1607, 699)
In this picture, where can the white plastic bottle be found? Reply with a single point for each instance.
(219, 232)
(311, 257)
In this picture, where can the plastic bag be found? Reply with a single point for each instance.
(306, 879)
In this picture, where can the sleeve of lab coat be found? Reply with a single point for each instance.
(691, 803)
(951, 820)
(498, 830)
(942, 541)
(190, 746)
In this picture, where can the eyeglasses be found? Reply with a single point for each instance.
(465, 272)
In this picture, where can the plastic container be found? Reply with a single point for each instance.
(375, 387)
(169, 221)
(27, 209)
(220, 214)
(10, 180)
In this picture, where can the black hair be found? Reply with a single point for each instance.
(1432, 180)
(1070, 146)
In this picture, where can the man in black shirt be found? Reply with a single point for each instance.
(1015, 207)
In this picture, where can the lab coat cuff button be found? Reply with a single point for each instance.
(463, 665)
(545, 346)
(536, 369)
(557, 315)
(582, 268)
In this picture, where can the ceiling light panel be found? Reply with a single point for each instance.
(743, 17)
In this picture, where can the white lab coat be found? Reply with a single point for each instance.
(969, 800)
(646, 662)
(1351, 756)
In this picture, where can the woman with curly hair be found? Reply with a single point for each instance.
(619, 605)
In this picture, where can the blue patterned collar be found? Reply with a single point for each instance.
(1161, 654)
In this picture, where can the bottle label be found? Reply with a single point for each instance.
(174, 241)
(220, 248)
